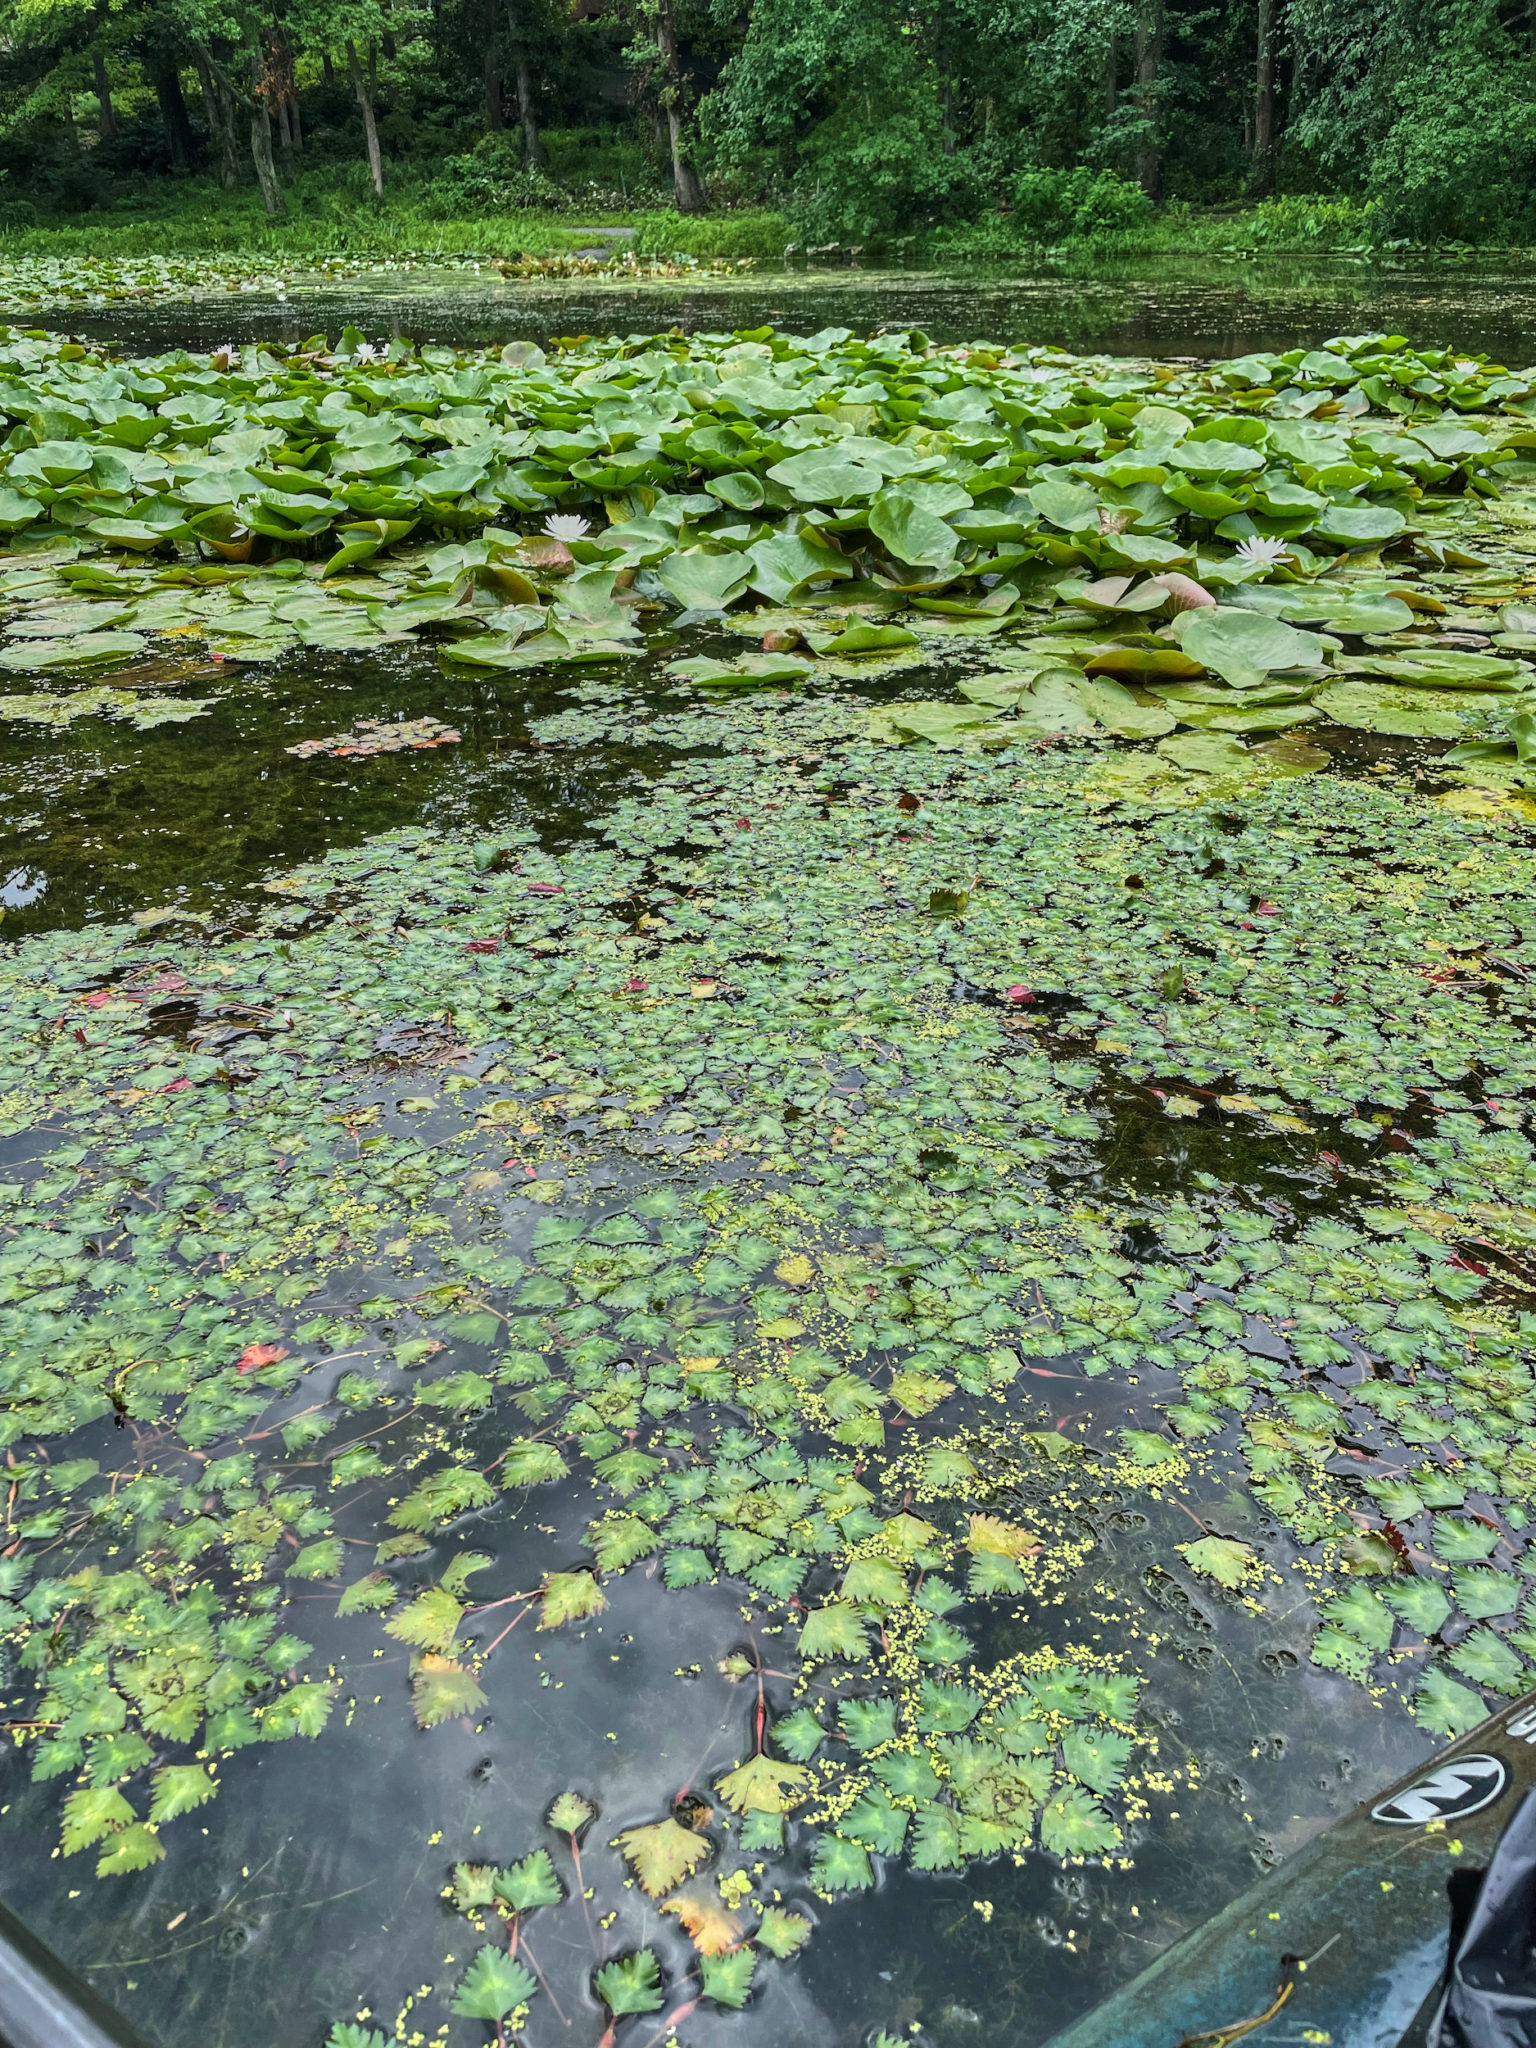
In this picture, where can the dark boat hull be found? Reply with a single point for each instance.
(1357, 1923)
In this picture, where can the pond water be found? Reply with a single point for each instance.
(483, 956)
(1209, 305)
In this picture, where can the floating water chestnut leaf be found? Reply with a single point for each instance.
(990, 1534)
(91, 1815)
(630, 1984)
(1074, 1824)
(442, 1689)
(373, 736)
(570, 1596)
(662, 1854)
(531, 1883)
(762, 1785)
(1218, 1558)
(429, 1622)
(710, 1924)
(135, 1848)
(727, 1978)
(494, 1986)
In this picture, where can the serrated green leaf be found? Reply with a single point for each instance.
(494, 1985)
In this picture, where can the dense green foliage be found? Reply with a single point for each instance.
(862, 121)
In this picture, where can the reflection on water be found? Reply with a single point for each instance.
(1204, 305)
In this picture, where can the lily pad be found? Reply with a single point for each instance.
(1372, 708)
(1243, 647)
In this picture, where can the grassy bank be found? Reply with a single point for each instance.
(198, 219)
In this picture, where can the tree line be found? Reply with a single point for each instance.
(862, 119)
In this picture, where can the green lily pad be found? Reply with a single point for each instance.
(1202, 753)
(1371, 708)
(85, 650)
(1355, 525)
(1445, 670)
(1243, 647)
(703, 581)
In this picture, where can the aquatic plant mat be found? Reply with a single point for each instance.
(811, 1386)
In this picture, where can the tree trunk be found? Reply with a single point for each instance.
(1261, 170)
(370, 128)
(1110, 82)
(492, 72)
(173, 112)
(949, 117)
(220, 113)
(284, 87)
(686, 188)
(261, 146)
(534, 151)
(104, 97)
(327, 68)
(1149, 52)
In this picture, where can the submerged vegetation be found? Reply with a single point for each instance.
(1067, 944)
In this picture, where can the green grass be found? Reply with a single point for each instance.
(331, 215)
(200, 219)
(758, 234)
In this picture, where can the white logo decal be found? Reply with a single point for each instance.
(1524, 1725)
(1448, 1793)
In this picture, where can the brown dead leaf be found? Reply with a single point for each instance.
(712, 1927)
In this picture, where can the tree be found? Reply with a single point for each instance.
(661, 80)
(1149, 57)
(1261, 175)
(534, 151)
(323, 24)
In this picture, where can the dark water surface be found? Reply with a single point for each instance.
(1206, 305)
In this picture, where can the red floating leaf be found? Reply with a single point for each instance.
(255, 1356)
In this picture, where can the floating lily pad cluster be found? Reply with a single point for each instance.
(29, 283)
(722, 1176)
(1145, 550)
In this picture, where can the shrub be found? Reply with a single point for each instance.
(492, 178)
(1305, 222)
(1063, 206)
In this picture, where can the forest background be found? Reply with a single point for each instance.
(900, 128)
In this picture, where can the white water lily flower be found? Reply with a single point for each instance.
(1261, 551)
(565, 526)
